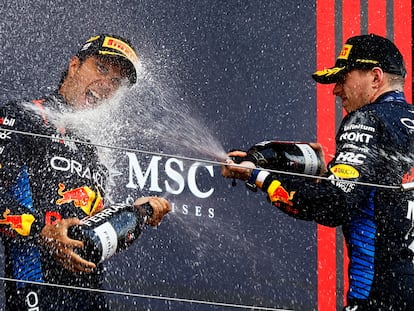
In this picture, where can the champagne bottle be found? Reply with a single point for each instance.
(110, 231)
(284, 156)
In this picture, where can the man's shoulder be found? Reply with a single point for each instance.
(19, 104)
(20, 113)
(12, 109)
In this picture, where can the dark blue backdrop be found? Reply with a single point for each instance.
(243, 69)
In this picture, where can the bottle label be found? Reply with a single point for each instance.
(103, 215)
(311, 159)
(108, 238)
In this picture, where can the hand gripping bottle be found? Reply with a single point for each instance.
(294, 157)
(110, 231)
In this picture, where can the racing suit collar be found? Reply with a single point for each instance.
(391, 96)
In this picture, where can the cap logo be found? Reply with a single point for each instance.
(89, 42)
(86, 46)
(329, 71)
(93, 38)
(121, 47)
(366, 61)
(345, 51)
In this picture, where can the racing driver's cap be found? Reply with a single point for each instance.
(115, 47)
(363, 52)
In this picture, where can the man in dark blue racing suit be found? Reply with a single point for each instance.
(48, 183)
(361, 190)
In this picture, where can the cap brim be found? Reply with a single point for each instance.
(329, 75)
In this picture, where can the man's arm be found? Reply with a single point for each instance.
(55, 237)
(328, 200)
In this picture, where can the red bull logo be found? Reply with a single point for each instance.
(83, 197)
(19, 223)
(279, 194)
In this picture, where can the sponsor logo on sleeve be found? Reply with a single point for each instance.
(83, 197)
(5, 135)
(277, 193)
(359, 127)
(346, 187)
(356, 137)
(351, 157)
(344, 171)
(408, 176)
(7, 121)
(19, 223)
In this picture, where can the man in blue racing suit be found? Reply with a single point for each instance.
(361, 190)
(48, 183)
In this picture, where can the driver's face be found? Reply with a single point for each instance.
(90, 82)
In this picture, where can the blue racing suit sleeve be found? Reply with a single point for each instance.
(18, 218)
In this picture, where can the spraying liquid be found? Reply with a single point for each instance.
(148, 117)
(156, 115)
(148, 112)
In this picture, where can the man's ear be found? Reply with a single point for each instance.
(377, 77)
(74, 65)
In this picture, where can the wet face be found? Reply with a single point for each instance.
(355, 89)
(92, 81)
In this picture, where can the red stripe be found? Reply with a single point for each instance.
(351, 19)
(403, 39)
(325, 57)
(377, 13)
